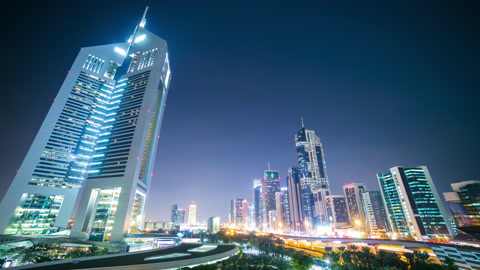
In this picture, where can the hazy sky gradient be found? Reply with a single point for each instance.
(383, 84)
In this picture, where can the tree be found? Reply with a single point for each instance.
(366, 256)
(76, 253)
(449, 264)
(282, 264)
(386, 259)
(301, 261)
(96, 251)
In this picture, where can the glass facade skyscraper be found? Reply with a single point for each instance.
(236, 211)
(270, 186)
(375, 217)
(413, 205)
(257, 203)
(464, 203)
(313, 177)
(354, 204)
(100, 133)
(337, 211)
(295, 199)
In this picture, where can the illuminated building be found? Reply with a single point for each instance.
(464, 203)
(313, 177)
(283, 209)
(270, 185)
(213, 224)
(412, 203)
(295, 199)
(246, 221)
(173, 214)
(258, 203)
(376, 221)
(192, 214)
(102, 126)
(236, 211)
(181, 216)
(337, 211)
(354, 204)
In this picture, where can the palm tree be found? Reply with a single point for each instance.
(449, 264)
(352, 247)
(301, 261)
(421, 257)
(366, 256)
(410, 258)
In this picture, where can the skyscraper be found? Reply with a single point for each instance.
(313, 177)
(246, 221)
(103, 127)
(464, 203)
(258, 203)
(236, 211)
(337, 211)
(270, 185)
(283, 209)
(354, 204)
(174, 214)
(192, 214)
(413, 205)
(213, 224)
(295, 199)
(181, 216)
(376, 221)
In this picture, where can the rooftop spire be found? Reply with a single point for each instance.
(301, 118)
(144, 20)
(141, 24)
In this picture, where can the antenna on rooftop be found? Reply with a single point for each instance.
(269, 166)
(144, 20)
(141, 24)
(301, 118)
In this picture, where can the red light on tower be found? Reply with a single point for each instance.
(18, 170)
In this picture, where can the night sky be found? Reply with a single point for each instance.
(383, 84)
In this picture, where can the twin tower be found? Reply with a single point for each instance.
(100, 136)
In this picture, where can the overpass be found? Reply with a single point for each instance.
(466, 257)
(347, 241)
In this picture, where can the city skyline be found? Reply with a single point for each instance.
(353, 72)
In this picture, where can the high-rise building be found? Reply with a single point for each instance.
(313, 177)
(337, 211)
(412, 203)
(283, 210)
(174, 214)
(246, 221)
(192, 214)
(354, 204)
(258, 203)
(213, 224)
(270, 185)
(464, 203)
(251, 206)
(181, 216)
(100, 133)
(236, 211)
(295, 196)
(376, 221)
